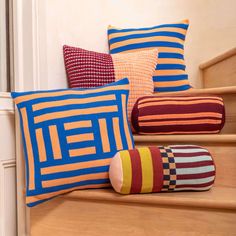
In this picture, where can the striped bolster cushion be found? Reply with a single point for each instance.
(159, 169)
(178, 115)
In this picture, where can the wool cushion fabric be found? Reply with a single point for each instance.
(178, 115)
(87, 69)
(70, 137)
(170, 75)
(161, 169)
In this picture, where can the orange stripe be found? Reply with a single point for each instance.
(104, 135)
(42, 105)
(82, 151)
(75, 166)
(125, 120)
(184, 132)
(179, 103)
(170, 61)
(80, 138)
(184, 115)
(181, 122)
(69, 92)
(41, 145)
(55, 142)
(78, 124)
(75, 179)
(39, 197)
(116, 130)
(171, 83)
(168, 72)
(29, 148)
(64, 114)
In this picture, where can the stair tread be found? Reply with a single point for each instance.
(201, 91)
(203, 138)
(216, 198)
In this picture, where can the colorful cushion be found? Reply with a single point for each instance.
(178, 115)
(86, 69)
(170, 72)
(159, 169)
(70, 137)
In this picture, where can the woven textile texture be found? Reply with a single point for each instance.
(161, 169)
(87, 69)
(170, 75)
(70, 136)
(178, 115)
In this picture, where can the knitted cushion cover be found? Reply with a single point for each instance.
(70, 137)
(158, 169)
(86, 69)
(178, 115)
(170, 72)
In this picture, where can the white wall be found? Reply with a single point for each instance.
(84, 23)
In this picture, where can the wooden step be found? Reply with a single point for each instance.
(221, 146)
(104, 212)
(229, 96)
(220, 71)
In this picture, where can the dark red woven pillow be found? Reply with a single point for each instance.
(178, 115)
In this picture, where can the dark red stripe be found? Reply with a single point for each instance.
(177, 119)
(136, 184)
(157, 169)
(195, 154)
(186, 147)
(196, 176)
(194, 164)
(195, 185)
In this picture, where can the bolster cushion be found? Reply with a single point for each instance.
(158, 169)
(178, 115)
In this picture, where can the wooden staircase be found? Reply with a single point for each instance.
(104, 212)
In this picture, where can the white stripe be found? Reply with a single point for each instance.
(194, 170)
(188, 150)
(192, 159)
(195, 181)
(192, 188)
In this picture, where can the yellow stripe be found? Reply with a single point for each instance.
(147, 169)
(145, 39)
(104, 135)
(116, 130)
(29, 148)
(126, 127)
(76, 101)
(75, 166)
(127, 172)
(82, 151)
(55, 142)
(78, 124)
(25, 98)
(41, 145)
(184, 115)
(171, 83)
(80, 138)
(64, 114)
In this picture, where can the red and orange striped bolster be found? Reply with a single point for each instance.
(178, 115)
(160, 169)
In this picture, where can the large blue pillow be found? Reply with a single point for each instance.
(70, 137)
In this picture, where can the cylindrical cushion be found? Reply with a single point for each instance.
(178, 115)
(158, 169)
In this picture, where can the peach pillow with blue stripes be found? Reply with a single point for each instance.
(170, 74)
(70, 136)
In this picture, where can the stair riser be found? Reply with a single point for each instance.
(223, 155)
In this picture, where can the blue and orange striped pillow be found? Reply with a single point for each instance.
(170, 75)
(70, 137)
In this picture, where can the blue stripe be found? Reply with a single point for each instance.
(170, 67)
(170, 55)
(146, 35)
(165, 78)
(147, 45)
(181, 26)
(172, 89)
